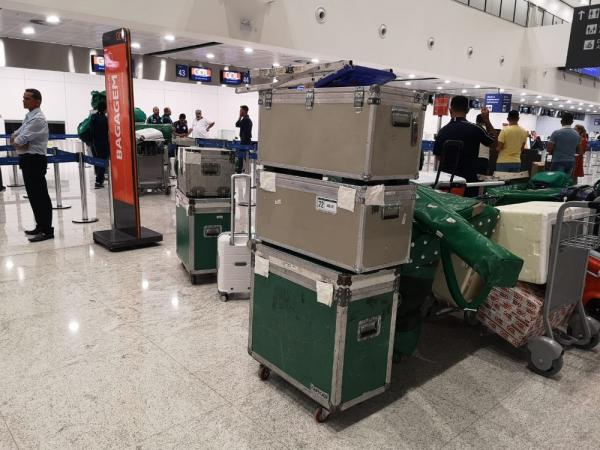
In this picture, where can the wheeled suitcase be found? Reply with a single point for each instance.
(233, 252)
(199, 223)
(364, 133)
(356, 227)
(327, 332)
(205, 172)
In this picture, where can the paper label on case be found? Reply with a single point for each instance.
(324, 293)
(261, 266)
(325, 205)
(267, 181)
(375, 195)
(346, 198)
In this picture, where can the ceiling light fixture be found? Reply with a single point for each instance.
(561, 106)
(550, 104)
(169, 37)
(536, 102)
(275, 64)
(477, 86)
(136, 45)
(210, 55)
(407, 83)
(501, 90)
(464, 91)
(447, 81)
(248, 50)
(579, 109)
(581, 104)
(523, 93)
(315, 60)
(538, 96)
(522, 100)
(555, 99)
(53, 19)
(591, 106)
(439, 88)
(568, 101)
(412, 75)
(28, 30)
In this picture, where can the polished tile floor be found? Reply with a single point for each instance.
(103, 350)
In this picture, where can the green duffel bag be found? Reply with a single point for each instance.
(139, 116)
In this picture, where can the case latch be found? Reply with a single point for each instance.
(359, 98)
(266, 99)
(310, 99)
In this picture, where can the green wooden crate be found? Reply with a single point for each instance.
(199, 223)
(328, 332)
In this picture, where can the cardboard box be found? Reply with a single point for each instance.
(515, 313)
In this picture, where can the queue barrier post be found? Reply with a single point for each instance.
(83, 190)
(15, 170)
(57, 187)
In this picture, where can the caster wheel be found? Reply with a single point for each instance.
(471, 318)
(264, 373)
(321, 415)
(224, 297)
(553, 370)
(593, 308)
(593, 342)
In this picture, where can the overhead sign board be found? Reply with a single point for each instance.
(440, 105)
(498, 103)
(200, 74)
(584, 44)
(181, 71)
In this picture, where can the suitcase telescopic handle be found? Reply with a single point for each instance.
(233, 203)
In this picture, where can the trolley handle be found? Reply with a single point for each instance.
(594, 274)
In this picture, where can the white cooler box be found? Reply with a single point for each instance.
(525, 229)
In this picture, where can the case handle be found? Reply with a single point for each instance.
(369, 328)
(211, 231)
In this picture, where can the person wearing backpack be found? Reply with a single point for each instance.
(99, 141)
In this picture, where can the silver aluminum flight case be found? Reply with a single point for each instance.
(205, 172)
(359, 228)
(364, 133)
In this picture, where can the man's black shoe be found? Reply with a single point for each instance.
(42, 237)
(33, 232)
(98, 185)
(2, 188)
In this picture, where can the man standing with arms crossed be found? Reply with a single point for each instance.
(31, 142)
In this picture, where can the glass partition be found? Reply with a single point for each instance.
(520, 12)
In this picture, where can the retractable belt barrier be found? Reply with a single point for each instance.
(58, 156)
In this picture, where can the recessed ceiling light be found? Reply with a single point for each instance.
(135, 45)
(522, 100)
(572, 107)
(28, 30)
(591, 106)
(275, 64)
(538, 96)
(438, 88)
(581, 104)
(584, 2)
(464, 91)
(315, 60)
(501, 90)
(561, 106)
(447, 81)
(568, 101)
(523, 93)
(555, 99)
(550, 104)
(536, 102)
(169, 37)
(53, 19)
(412, 75)
(579, 109)
(210, 55)
(587, 110)
(408, 83)
(477, 86)
(248, 50)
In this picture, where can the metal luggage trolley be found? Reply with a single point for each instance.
(153, 166)
(567, 268)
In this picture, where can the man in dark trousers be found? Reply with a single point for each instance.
(245, 125)
(471, 136)
(99, 144)
(31, 142)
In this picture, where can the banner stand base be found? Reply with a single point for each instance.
(115, 240)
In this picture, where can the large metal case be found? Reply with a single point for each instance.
(367, 133)
(327, 332)
(153, 166)
(199, 224)
(360, 228)
(205, 172)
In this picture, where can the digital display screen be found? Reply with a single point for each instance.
(181, 71)
(97, 64)
(200, 74)
(231, 77)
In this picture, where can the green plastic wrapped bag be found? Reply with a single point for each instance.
(97, 96)
(165, 129)
(139, 116)
(544, 180)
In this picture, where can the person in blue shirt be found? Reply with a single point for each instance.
(563, 145)
(155, 118)
(31, 143)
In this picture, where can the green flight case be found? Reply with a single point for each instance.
(200, 221)
(326, 331)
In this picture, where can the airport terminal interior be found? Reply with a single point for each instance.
(280, 225)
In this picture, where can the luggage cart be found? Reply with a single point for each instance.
(573, 240)
(153, 166)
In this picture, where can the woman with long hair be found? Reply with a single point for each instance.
(578, 172)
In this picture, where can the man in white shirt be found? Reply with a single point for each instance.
(200, 126)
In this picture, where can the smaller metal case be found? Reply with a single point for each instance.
(205, 172)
